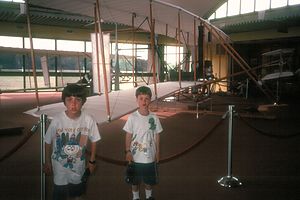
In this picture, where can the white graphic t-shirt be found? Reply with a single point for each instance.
(69, 142)
(144, 129)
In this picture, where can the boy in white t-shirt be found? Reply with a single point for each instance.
(142, 144)
(66, 144)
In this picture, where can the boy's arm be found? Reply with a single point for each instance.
(128, 139)
(157, 145)
(92, 160)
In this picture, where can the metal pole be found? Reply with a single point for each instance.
(230, 130)
(197, 109)
(229, 180)
(43, 120)
(277, 90)
(247, 88)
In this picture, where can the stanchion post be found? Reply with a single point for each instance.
(247, 88)
(197, 110)
(43, 120)
(229, 180)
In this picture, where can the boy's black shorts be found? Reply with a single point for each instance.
(145, 172)
(63, 192)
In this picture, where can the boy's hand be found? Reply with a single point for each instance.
(47, 168)
(157, 157)
(92, 167)
(129, 157)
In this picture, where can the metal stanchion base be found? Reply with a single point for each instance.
(229, 181)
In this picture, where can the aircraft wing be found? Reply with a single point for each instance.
(121, 102)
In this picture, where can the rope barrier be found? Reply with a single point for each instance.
(19, 145)
(269, 134)
(167, 159)
(164, 160)
(191, 147)
(114, 161)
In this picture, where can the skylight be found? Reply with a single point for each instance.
(236, 7)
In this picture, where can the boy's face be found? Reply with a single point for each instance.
(73, 105)
(143, 101)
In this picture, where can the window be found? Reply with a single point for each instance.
(171, 53)
(213, 16)
(142, 51)
(39, 43)
(14, 42)
(236, 7)
(262, 5)
(278, 3)
(88, 47)
(70, 45)
(17, 1)
(294, 2)
(221, 11)
(233, 7)
(10, 62)
(126, 50)
(247, 6)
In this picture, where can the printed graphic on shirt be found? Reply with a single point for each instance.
(69, 148)
(152, 124)
(146, 142)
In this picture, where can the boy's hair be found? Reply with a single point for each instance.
(143, 90)
(75, 91)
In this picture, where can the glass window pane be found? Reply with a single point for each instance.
(142, 51)
(11, 82)
(14, 42)
(294, 2)
(247, 6)
(221, 11)
(142, 57)
(125, 49)
(262, 5)
(88, 47)
(71, 64)
(70, 45)
(40, 43)
(212, 16)
(11, 62)
(171, 53)
(233, 7)
(278, 3)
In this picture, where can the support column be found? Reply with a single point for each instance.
(196, 51)
(134, 81)
(117, 67)
(32, 56)
(97, 48)
(103, 62)
(153, 50)
(178, 44)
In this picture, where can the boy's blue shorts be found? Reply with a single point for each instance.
(145, 172)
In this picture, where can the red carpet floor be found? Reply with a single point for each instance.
(265, 152)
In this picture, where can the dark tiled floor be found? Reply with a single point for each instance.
(265, 152)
